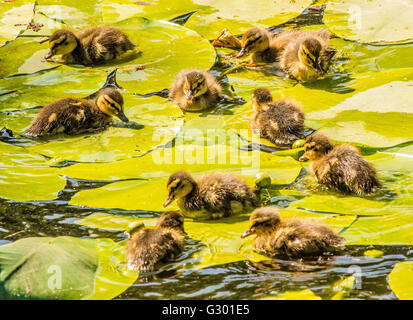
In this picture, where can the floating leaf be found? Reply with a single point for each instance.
(14, 19)
(25, 176)
(372, 21)
(217, 15)
(401, 280)
(61, 268)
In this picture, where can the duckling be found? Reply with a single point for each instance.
(341, 167)
(148, 247)
(74, 116)
(195, 90)
(306, 55)
(260, 45)
(90, 46)
(281, 121)
(292, 238)
(214, 196)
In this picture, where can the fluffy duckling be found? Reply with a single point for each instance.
(195, 90)
(215, 195)
(281, 121)
(341, 167)
(290, 237)
(148, 247)
(91, 46)
(74, 116)
(259, 44)
(306, 55)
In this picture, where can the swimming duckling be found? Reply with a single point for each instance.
(91, 46)
(260, 45)
(306, 55)
(74, 116)
(281, 121)
(290, 237)
(215, 195)
(195, 90)
(341, 167)
(148, 247)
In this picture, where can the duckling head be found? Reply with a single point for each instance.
(262, 221)
(171, 220)
(61, 42)
(195, 84)
(110, 102)
(254, 40)
(316, 146)
(179, 185)
(310, 54)
(261, 97)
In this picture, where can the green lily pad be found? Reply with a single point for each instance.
(14, 19)
(29, 175)
(394, 229)
(61, 268)
(166, 48)
(236, 17)
(77, 13)
(401, 280)
(371, 21)
(346, 205)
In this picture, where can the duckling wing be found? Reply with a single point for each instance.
(220, 191)
(148, 247)
(301, 238)
(104, 43)
(65, 115)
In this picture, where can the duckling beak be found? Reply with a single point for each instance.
(168, 201)
(247, 233)
(122, 117)
(189, 95)
(241, 53)
(303, 158)
(49, 55)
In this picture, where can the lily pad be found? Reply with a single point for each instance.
(166, 49)
(25, 176)
(395, 229)
(61, 268)
(14, 19)
(401, 280)
(217, 15)
(371, 21)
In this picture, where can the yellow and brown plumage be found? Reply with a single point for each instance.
(290, 237)
(341, 168)
(260, 45)
(91, 46)
(148, 247)
(195, 90)
(305, 55)
(215, 195)
(74, 116)
(281, 121)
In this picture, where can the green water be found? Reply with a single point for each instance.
(94, 186)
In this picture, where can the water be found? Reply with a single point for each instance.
(243, 279)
